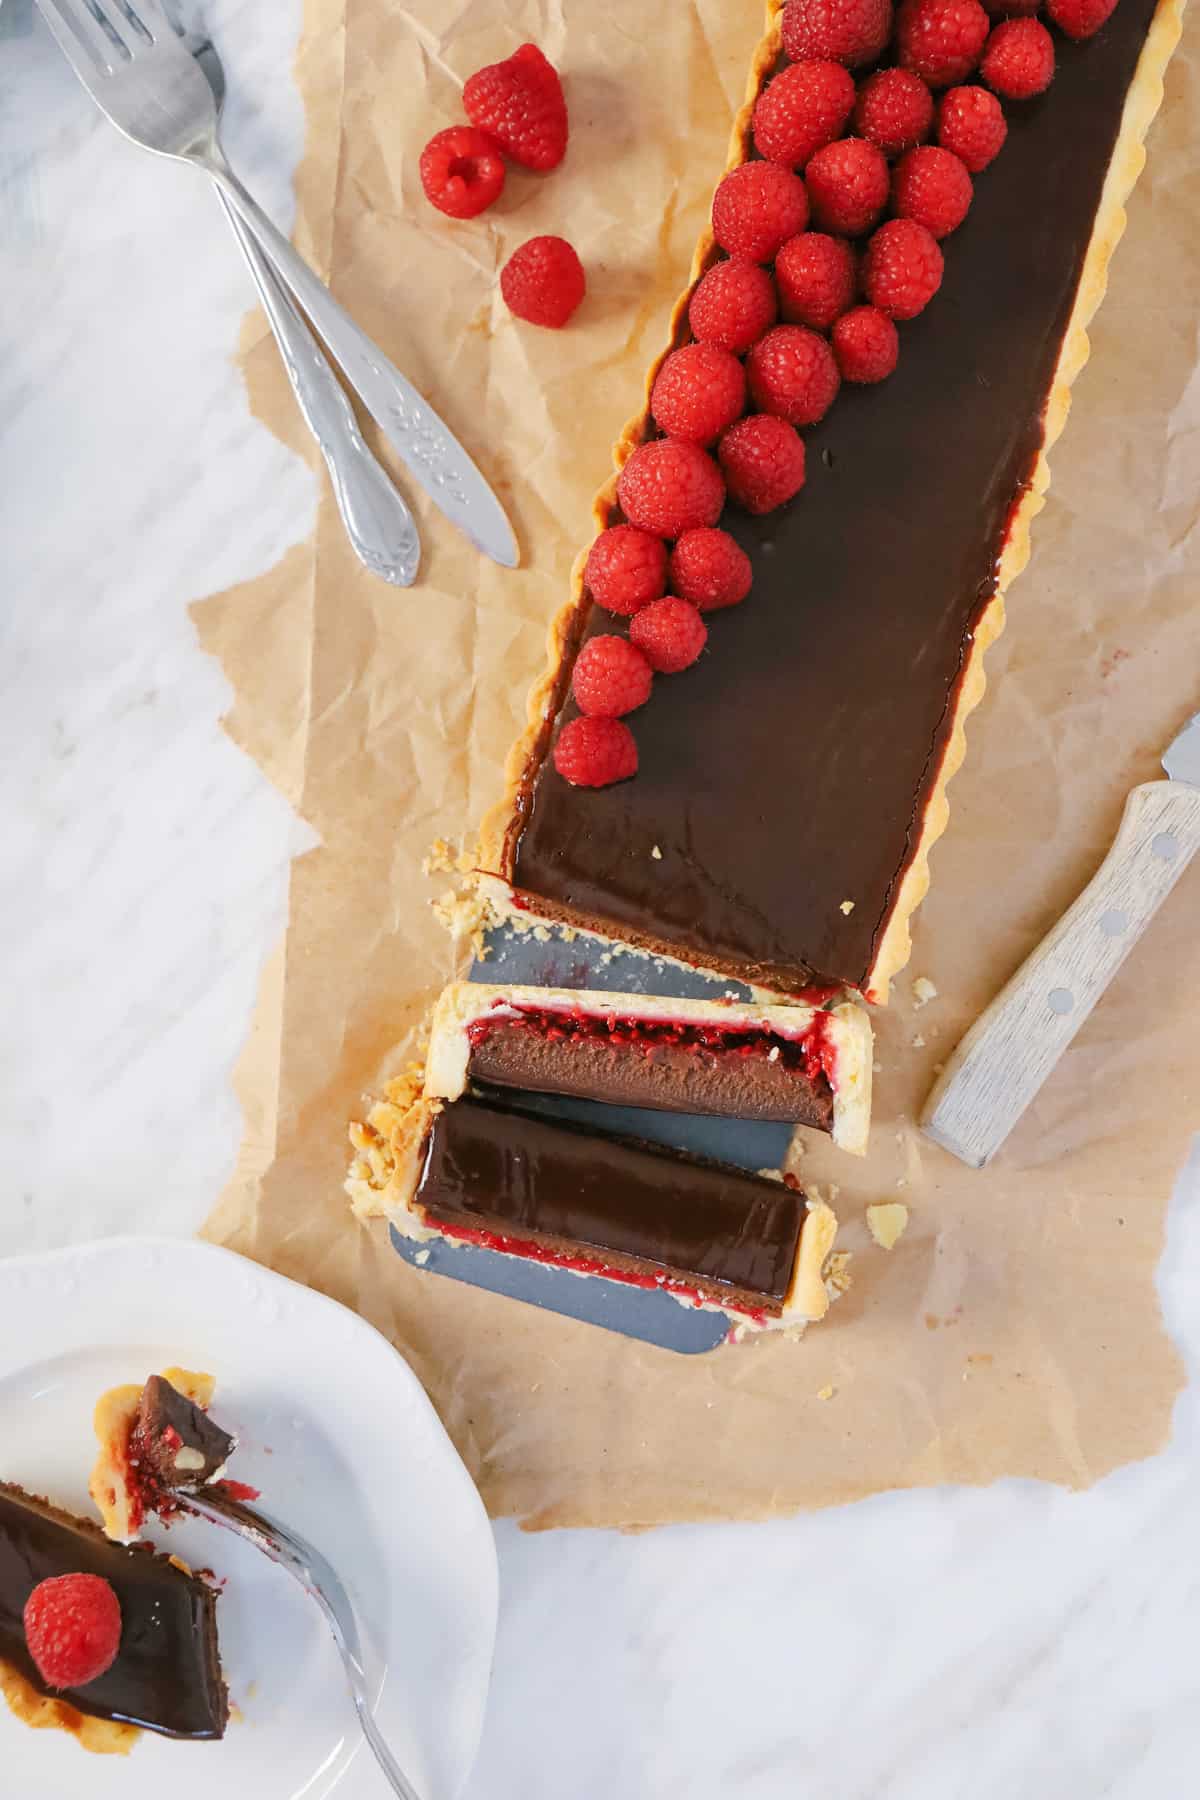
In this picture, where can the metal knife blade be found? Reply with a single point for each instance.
(1181, 758)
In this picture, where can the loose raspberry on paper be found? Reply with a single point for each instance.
(971, 124)
(846, 31)
(519, 102)
(847, 186)
(763, 460)
(669, 486)
(894, 110)
(1080, 18)
(72, 1629)
(931, 186)
(462, 171)
(757, 207)
(543, 282)
(1018, 59)
(625, 569)
(902, 268)
(595, 752)
(611, 677)
(803, 108)
(940, 40)
(866, 344)
(732, 305)
(792, 374)
(816, 276)
(670, 634)
(710, 569)
(698, 391)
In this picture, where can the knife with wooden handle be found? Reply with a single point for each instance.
(1006, 1056)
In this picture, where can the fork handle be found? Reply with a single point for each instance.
(376, 516)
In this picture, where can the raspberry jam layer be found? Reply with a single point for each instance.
(669, 1065)
(610, 1205)
(788, 771)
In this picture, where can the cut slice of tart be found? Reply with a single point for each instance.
(791, 782)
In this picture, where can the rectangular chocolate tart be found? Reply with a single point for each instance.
(791, 843)
(804, 1064)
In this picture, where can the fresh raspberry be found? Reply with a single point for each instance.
(543, 282)
(1018, 60)
(757, 207)
(611, 677)
(894, 110)
(866, 344)
(520, 103)
(625, 569)
(595, 752)
(1079, 18)
(971, 124)
(902, 268)
(763, 460)
(710, 569)
(816, 276)
(732, 305)
(931, 186)
(668, 486)
(793, 375)
(848, 186)
(72, 1629)
(462, 171)
(804, 107)
(940, 40)
(847, 31)
(670, 634)
(698, 392)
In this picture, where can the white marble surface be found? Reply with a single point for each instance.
(939, 1644)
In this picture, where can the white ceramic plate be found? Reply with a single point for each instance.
(338, 1434)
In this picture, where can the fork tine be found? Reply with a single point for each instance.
(87, 44)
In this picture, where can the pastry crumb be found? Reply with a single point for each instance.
(826, 1393)
(422, 1257)
(887, 1221)
(439, 859)
(847, 907)
(923, 991)
(656, 853)
(877, 1068)
(837, 1272)
(918, 1042)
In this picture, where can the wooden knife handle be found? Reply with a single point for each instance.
(1006, 1056)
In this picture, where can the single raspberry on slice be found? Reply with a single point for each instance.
(611, 677)
(670, 634)
(710, 569)
(866, 344)
(668, 486)
(804, 107)
(1018, 59)
(847, 31)
(72, 1629)
(848, 186)
(756, 207)
(763, 460)
(732, 305)
(894, 110)
(520, 103)
(940, 40)
(1079, 18)
(971, 124)
(595, 752)
(698, 391)
(792, 374)
(462, 171)
(902, 268)
(543, 282)
(626, 568)
(816, 276)
(931, 186)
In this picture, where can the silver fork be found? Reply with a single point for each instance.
(144, 79)
(318, 1577)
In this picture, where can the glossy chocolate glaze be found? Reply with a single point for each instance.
(788, 771)
(167, 1676)
(637, 1206)
(168, 1423)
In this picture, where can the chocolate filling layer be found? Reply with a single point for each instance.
(788, 771)
(167, 1675)
(175, 1442)
(730, 1235)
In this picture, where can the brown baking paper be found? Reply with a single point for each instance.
(1015, 1327)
